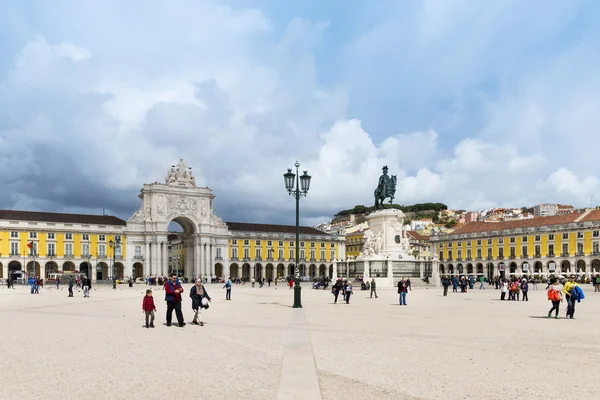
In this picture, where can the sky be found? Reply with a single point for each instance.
(473, 103)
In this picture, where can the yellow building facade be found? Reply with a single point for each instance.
(269, 251)
(40, 244)
(542, 246)
(355, 239)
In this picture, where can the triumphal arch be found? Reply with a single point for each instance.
(178, 200)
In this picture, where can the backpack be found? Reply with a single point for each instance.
(553, 295)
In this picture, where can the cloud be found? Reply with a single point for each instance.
(466, 105)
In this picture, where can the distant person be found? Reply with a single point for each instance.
(86, 283)
(335, 289)
(454, 284)
(57, 282)
(524, 289)
(71, 284)
(200, 299)
(227, 287)
(253, 281)
(149, 308)
(373, 288)
(445, 284)
(348, 292)
(482, 285)
(402, 291)
(173, 292)
(574, 294)
(555, 295)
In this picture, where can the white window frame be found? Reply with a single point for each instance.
(51, 236)
(69, 249)
(102, 238)
(234, 253)
(102, 250)
(51, 249)
(14, 249)
(14, 235)
(68, 236)
(32, 235)
(86, 237)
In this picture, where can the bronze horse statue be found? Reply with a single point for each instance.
(385, 189)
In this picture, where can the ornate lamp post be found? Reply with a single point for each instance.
(113, 245)
(302, 185)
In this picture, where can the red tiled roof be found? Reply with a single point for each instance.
(417, 235)
(475, 227)
(17, 215)
(267, 228)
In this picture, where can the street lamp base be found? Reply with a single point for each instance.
(297, 297)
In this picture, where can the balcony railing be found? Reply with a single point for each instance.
(218, 258)
(68, 256)
(596, 253)
(269, 258)
(138, 257)
(551, 254)
(500, 257)
(564, 254)
(538, 255)
(281, 259)
(101, 257)
(580, 253)
(246, 258)
(489, 258)
(458, 258)
(234, 259)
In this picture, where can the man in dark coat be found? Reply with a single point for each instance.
(173, 292)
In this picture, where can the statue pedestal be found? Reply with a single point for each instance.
(387, 244)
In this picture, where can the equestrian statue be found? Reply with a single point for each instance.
(386, 188)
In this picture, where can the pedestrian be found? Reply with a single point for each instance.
(597, 283)
(402, 290)
(482, 280)
(87, 285)
(200, 300)
(173, 292)
(57, 282)
(555, 296)
(291, 282)
(71, 283)
(149, 308)
(227, 287)
(525, 289)
(373, 288)
(335, 289)
(253, 281)
(445, 284)
(454, 284)
(348, 292)
(574, 294)
(503, 289)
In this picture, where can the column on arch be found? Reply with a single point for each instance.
(165, 247)
(211, 258)
(263, 270)
(146, 270)
(197, 257)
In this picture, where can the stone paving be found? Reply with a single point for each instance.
(257, 347)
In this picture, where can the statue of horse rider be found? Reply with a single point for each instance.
(386, 188)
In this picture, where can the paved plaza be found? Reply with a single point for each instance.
(257, 347)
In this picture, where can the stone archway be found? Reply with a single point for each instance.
(51, 268)
(512, 268)
(118, 271)
(85, 268)
(180, 201)
(451, 269)
(15, 270)
(219, 270)
(246, 271)
(442, 269)
(257, 271)
(312, 271)
(331, 272)
(234, 270)
(68, 266)
(102, 271)
(1, 271)
(469, 269)
(595, 266)
(138, 270)
(291, 270)
(565, 267)
(269, 272)
(479, 269)
(580, 267)
(33, 268)
(322, 270)
(538, 267)
(280, 271)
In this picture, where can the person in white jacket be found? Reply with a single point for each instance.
(503, 289)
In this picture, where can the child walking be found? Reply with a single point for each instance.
(148, 308)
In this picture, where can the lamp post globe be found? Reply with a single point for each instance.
(297, 186)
